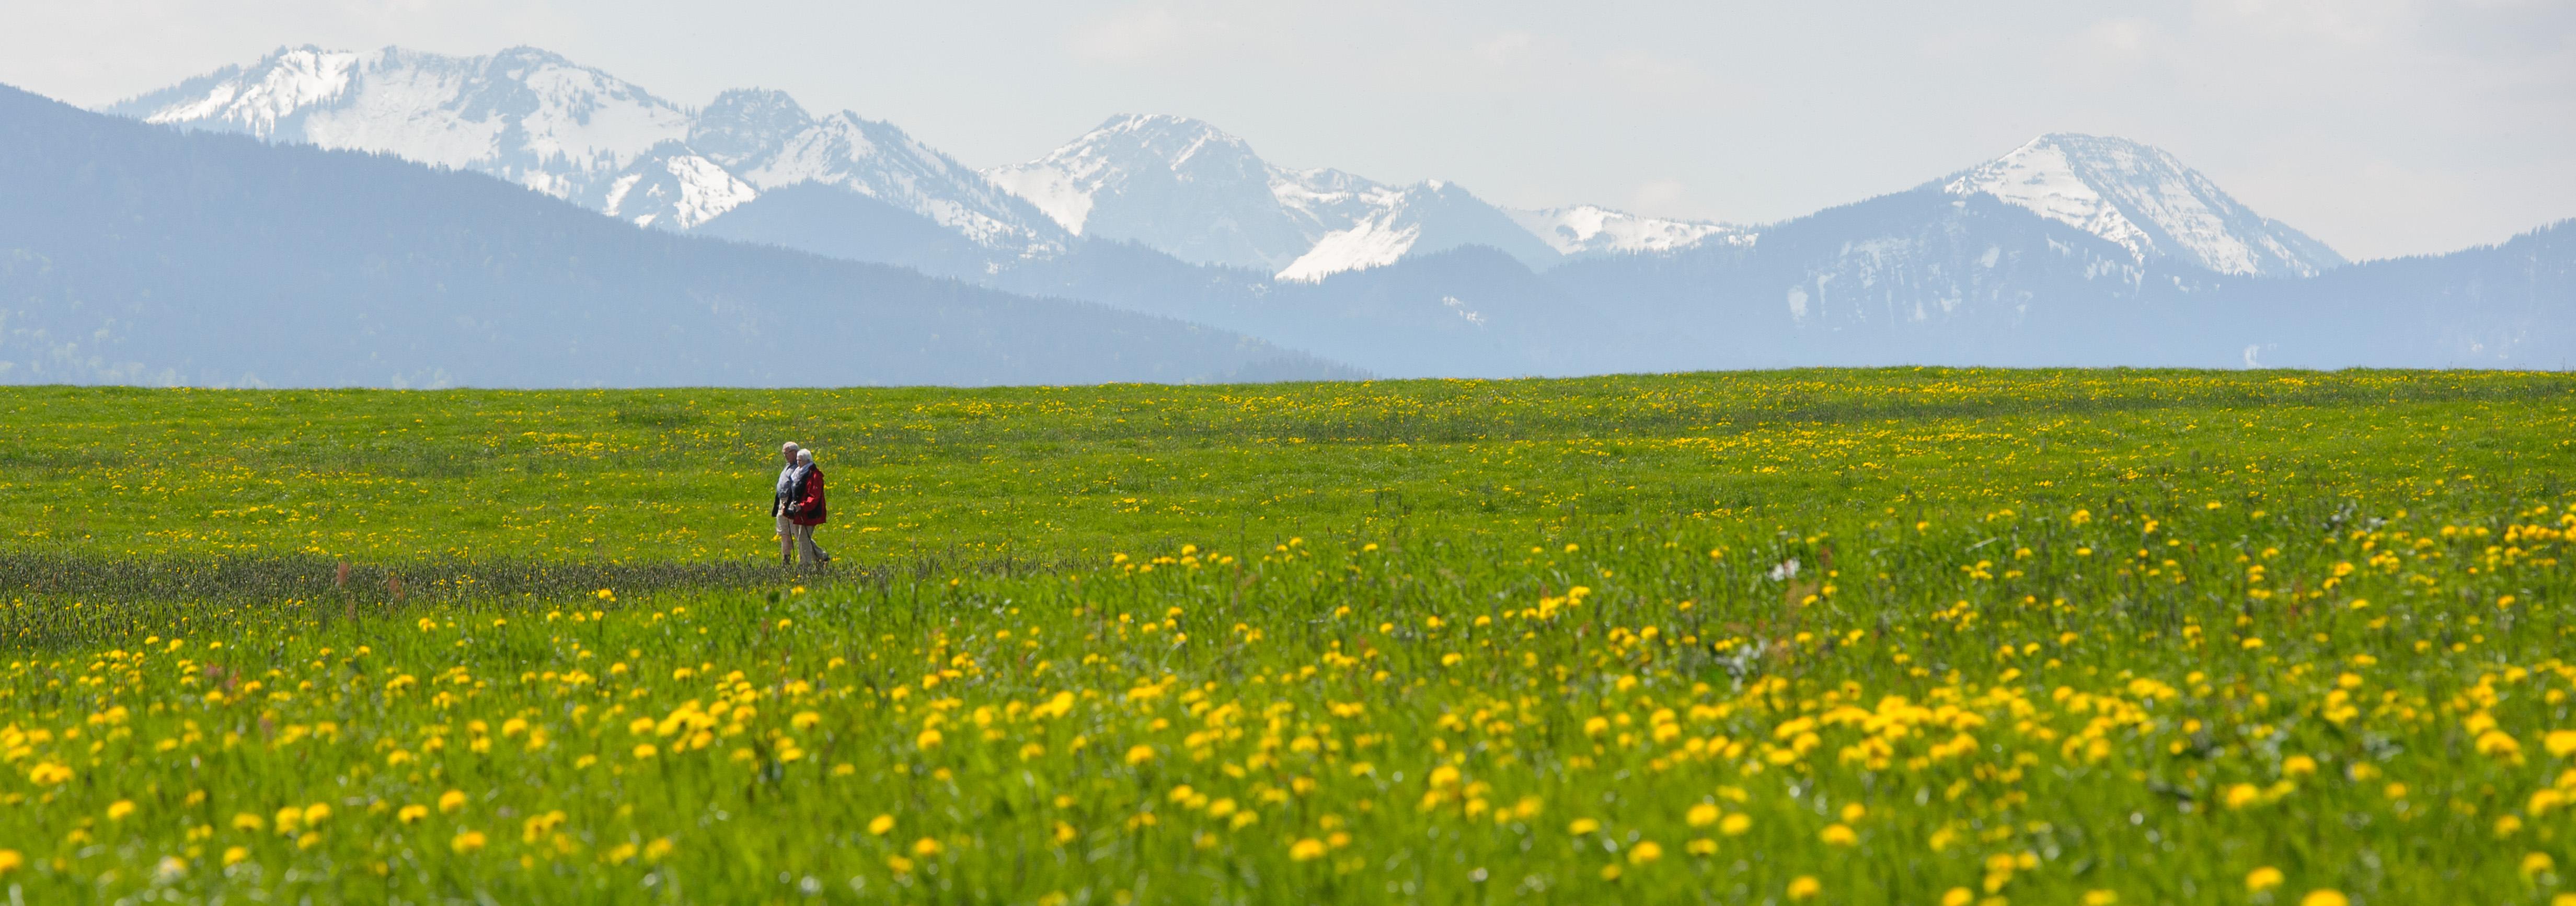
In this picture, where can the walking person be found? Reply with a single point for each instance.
(778, 504)
(805, 509)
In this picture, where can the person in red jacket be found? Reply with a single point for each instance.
(806, 509)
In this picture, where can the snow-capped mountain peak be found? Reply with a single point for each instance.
(745, 124)
(522, 114)
(1378, 238)
(1592, 229)
(674, 186)
(1194, 191)
(1152, 158)
(1176, 184)
(876, 159)
(2144, 199)
(532, 117)
(1176, 140)
(253, 100)
(1426, 217)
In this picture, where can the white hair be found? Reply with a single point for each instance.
(790, 445)
(804, 456)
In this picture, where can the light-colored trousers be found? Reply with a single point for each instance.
(805, 549)
(796, 542)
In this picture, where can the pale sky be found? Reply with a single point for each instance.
(2383, 127)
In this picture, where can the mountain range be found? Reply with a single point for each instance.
(1174, 184)
(137, 255)
(2069, 250)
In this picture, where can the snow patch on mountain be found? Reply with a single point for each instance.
(1188, 189)
(1420, 219)
(706, 190)
(1592, 229)
(255, 100)
(1168, 182)
(2145, 200)
(878, 160)
(523, 114)
(1056, 193)
(411, 112)
(674, 187)
(584, 116)
(1374, 242)
(576, 133)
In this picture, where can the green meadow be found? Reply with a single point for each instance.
(1883, 636)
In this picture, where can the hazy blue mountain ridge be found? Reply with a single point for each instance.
(1469, 311)
(2508, 305)
(1928, 277)
(1917, 277)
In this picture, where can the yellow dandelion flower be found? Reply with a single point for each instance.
(2262, 879)
(1806, 887)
